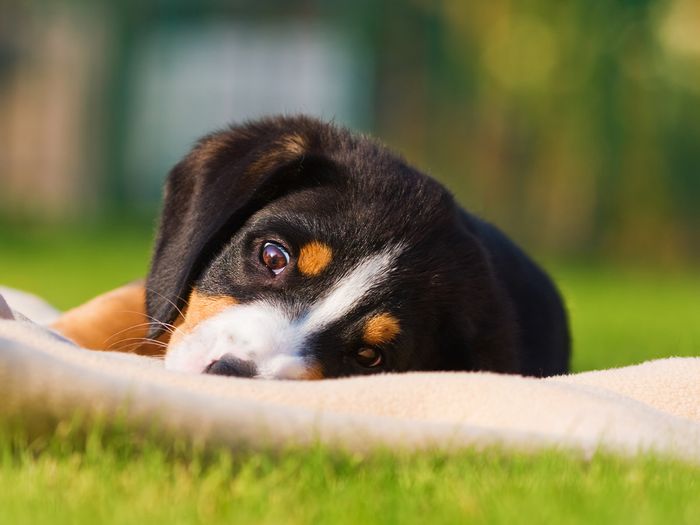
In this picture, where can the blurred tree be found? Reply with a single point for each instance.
(574, 125)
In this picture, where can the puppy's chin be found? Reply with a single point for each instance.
(255, 333)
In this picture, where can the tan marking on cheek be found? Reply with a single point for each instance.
(314, 258)
(201, 307)
(313, 372)
(380, 329)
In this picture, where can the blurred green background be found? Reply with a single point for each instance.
(574, 126)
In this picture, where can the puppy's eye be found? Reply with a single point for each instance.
(275, 257)
(369, 357)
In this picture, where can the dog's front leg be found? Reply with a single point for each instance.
(115, 321)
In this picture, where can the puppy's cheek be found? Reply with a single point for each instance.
(197, 343)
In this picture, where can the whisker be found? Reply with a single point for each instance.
(151, 318)
(138, 341)
(168, 300)
(126, 349)
(133, 347)
(132, 327)
(170, 328)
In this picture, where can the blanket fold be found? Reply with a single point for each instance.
(654, 406)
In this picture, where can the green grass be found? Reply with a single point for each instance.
(121, 480)
(621, 316)
(69, 266)
(618, 317)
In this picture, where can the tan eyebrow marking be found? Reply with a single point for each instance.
(381, 328)
(314, 258)
(201, 307)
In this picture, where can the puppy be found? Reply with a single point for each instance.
(290, 248)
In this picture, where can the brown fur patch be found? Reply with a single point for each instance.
(313, 372)
(201, 307)
(293, 144)
(208, 149)
(286, 149)
(115, 320)
(382, 328)
(314, 258)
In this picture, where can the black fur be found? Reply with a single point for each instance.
(466, 296)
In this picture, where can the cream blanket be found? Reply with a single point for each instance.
(654, 406)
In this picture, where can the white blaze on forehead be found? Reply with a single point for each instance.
(263, 331)
(351, 289)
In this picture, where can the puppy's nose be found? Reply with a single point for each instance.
(230, 365)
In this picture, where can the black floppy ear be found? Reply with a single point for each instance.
(212, 192)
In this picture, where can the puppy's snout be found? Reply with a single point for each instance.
(230, 365)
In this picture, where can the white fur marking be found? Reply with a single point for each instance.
(350, 290)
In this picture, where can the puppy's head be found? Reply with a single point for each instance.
(294, 249)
